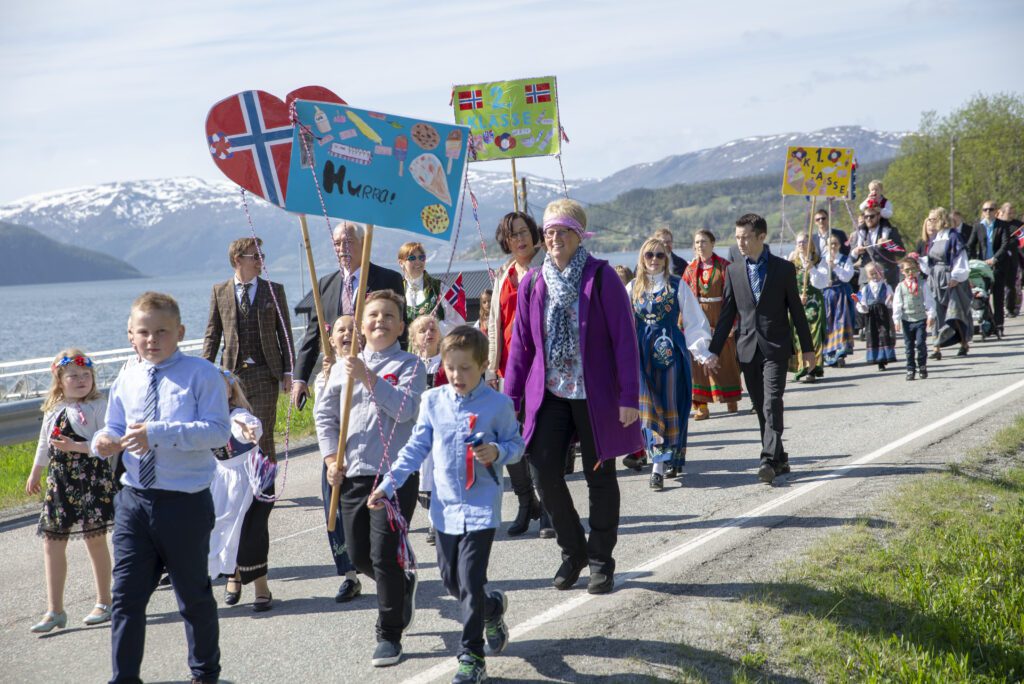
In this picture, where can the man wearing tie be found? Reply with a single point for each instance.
(762, 290)
(256, 334)
(337, 296)
(990, 242)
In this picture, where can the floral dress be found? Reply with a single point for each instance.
(79, 498)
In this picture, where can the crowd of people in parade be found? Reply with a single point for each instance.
(569, 356)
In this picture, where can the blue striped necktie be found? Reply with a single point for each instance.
(147, 462)
(755, 283)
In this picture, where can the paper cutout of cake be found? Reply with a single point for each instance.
(428, 172)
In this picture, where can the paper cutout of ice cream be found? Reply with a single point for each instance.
(452, 147)
(320, 119)
(428, 172)
(401, 150)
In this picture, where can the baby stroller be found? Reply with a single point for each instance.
(981, 311)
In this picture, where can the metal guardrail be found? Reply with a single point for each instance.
(23, 384)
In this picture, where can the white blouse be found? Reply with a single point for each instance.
(695, 323)
(959, 270)
(85, 418)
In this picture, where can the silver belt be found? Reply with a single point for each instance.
(708, 300)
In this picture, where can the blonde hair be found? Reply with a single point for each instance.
(418, 324)
(943, 223)
(408, 248)
(568, 208)
(875, 184)
(157, 301)
(55, 395)
(243, 246)
(811, 251)
(236, 395)
(642, 279)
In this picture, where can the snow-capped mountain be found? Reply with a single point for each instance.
(184, 225)
(740, 158)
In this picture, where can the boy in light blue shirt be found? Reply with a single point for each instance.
(471, 431)
(167, 412)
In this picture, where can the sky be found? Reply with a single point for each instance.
(103, 91)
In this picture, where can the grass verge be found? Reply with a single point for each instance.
(938, 596)
(16, 459)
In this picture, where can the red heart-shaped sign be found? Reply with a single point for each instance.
(250, 138)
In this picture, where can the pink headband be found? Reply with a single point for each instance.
(567, 222)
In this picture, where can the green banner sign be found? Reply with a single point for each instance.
(510, 119)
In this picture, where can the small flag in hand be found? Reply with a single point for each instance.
(456, 297)
(890, 246)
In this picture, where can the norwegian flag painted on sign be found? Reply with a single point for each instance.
(538, 92)
(456, 297)
(471, 99)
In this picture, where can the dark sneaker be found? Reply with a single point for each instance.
(634, 462)
(601, 583)
(923, 373)
(387, 653)
(472, 670)
(782, 468)
(766, 473)
(568, 573)
(431, 536)
(409, 607)
(495, 629)
(348, 590)
(911, 375)
(671, 472)
(657, 482)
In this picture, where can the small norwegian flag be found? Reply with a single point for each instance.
(471, 99)
(538, 92)
(890, 246)
(1019, 235)
(456, 297)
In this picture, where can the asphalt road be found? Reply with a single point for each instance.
(684, 554)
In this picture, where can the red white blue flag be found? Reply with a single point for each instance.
(471, 99)
(456, 297)
(538, 92)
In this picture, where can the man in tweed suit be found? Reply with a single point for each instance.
(256, 334)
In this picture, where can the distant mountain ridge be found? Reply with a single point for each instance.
(30, 258)
(184, 225)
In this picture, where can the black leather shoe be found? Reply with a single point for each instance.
(529, 509)
(766, 473)
(263, 603)
(546, 530)
(633, 462)
(601, 583)
(348, 590)
(232, 597)
(568, 572)
(923, 373)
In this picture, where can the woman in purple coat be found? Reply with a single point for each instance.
(574, 368)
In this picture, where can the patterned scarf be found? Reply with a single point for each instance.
(911, 283)
(563, 292)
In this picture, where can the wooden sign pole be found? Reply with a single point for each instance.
(325, 346)
(346, 406)
(515, 186)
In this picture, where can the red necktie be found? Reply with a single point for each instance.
(470, 475)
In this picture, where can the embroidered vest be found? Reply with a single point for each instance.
(249, 344)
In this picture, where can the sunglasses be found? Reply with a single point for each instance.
(870, 216)
(820, 219)
(654, 255)
(249, 256)
(414, 257)
(988, 208)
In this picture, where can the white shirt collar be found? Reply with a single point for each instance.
(415, 283)
(239, 283)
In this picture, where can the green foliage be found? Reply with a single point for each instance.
(988, 134)
(15, 465)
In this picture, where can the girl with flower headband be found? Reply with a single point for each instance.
(670, 325)
(240, 540)
(79, 499)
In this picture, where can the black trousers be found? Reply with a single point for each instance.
(373, 547)
(915, 343)
(519, 476)
(156, 529)
(254, 540)
(557, 421)
(766, 382)
(462, 560)
(1010, 280)
(999, 283)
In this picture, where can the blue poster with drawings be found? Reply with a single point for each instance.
(387, 170)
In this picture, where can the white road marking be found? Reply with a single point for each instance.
(558, 611)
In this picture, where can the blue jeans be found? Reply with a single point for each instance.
(915, 341)
(156, 529)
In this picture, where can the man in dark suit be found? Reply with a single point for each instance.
(1013, 294)
(256, 334)
(678, 264)
(957, 221)
(761, 289)
(337, 296)
(868, 245)
(991, 243)
(824, 232)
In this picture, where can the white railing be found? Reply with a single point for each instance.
(30, 378)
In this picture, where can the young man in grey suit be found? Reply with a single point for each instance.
(762, 290)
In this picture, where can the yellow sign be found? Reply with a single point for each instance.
(818, 171)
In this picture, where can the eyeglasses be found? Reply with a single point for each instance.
(870, 216)
(249, 256)
(520, 235)
(415, 257)
(654, 255)
(552, 233)
(820, 219)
